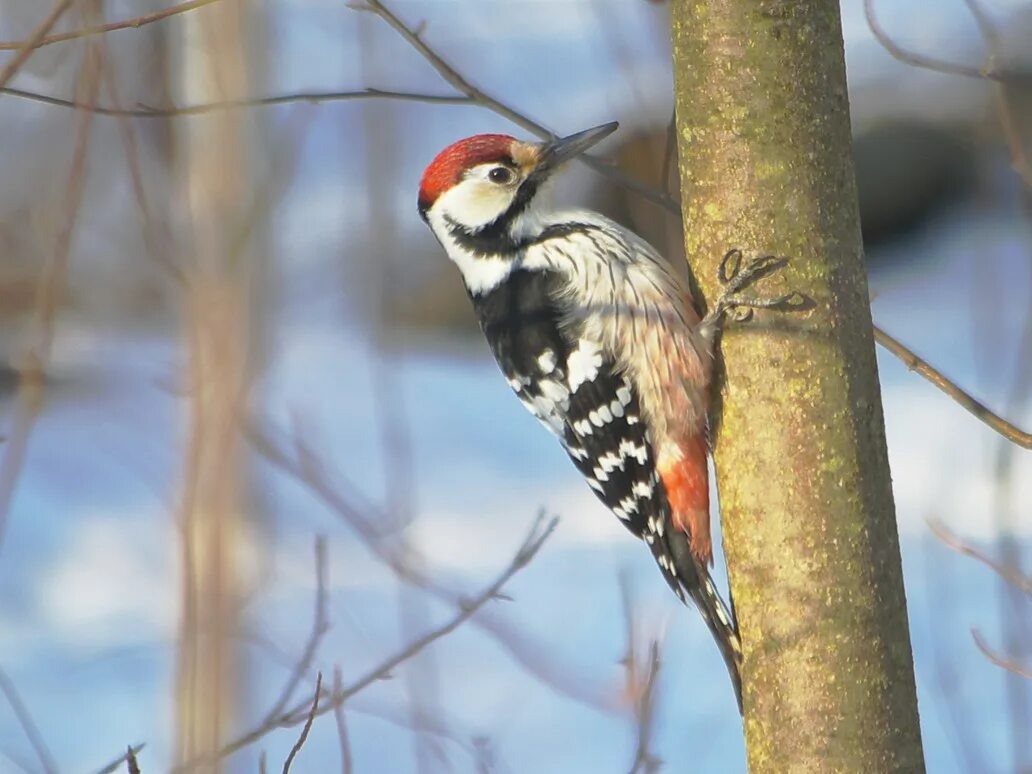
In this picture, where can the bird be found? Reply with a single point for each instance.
(601, 340)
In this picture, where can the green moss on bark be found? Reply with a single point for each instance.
(805, 490)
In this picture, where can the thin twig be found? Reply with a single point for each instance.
(966, 401)
(158, 246)
(363, 517)
(319, 628)
(1001, 661)
(29, 727)
(457, 81)
(117, 762)
(640, 690)
(131, 763)
(346, 763)
(930, 62)
(29, 45)
(644, 761)
(49, 292)
(307, 727)
(1004, 111)
(1012, 575)
(204, 108)
(292, 717)
(135, 23)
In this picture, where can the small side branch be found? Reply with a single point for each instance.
(307, 727)
(29, 727)
(978, 409)
(930, 62)
(1012, 575)
(135, 23)
(26, 47)
(301, 712)
(1001, 661)
(320, 626)
(125, 757)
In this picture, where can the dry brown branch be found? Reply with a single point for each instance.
(320, 625)
(1001, 661)
(29, 44)
(28, 725)
(307, 727)
(130, 761)
(640, 687)
(123, 758)
(1012, 575)
(930, 62)
(1004, 111)
(28, 401)
(644, 761)
(314, 97)
(346, 763)
(135, 23)
(459, 82)
(469, 94)
(298, 714)
(363, 517)
(156, 238)
(939, 620)
(966, 401)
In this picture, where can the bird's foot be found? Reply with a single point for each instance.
(735, 277)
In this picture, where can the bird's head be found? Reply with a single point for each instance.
(490, 180)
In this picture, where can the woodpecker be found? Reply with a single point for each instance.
(600, 339)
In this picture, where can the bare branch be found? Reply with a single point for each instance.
(205, 108)
(319, 628)
(1001, 661)
(457, 81)
(31, 378)
(346, 762)
(930, 62)
(29, 727)
(1008, 123)
(363, 517)
(29, 45)
(1012, 575)
(641, 689)
(135, 23)
(123, 758)
(966, 401)
(469, 94)
(535, 539)
(644, 761)
(307, 727)
(130, 761)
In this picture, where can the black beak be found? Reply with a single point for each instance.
(555, 153)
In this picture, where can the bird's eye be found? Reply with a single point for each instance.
(500, 175)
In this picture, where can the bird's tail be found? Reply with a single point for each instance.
(692, 578)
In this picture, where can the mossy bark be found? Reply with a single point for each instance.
(802, 469)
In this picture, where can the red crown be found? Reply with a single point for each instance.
(447, 167)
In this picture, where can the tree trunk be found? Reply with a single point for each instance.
(802, 469)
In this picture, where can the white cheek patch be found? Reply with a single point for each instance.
(474, 203)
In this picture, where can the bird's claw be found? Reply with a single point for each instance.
(735, 275)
